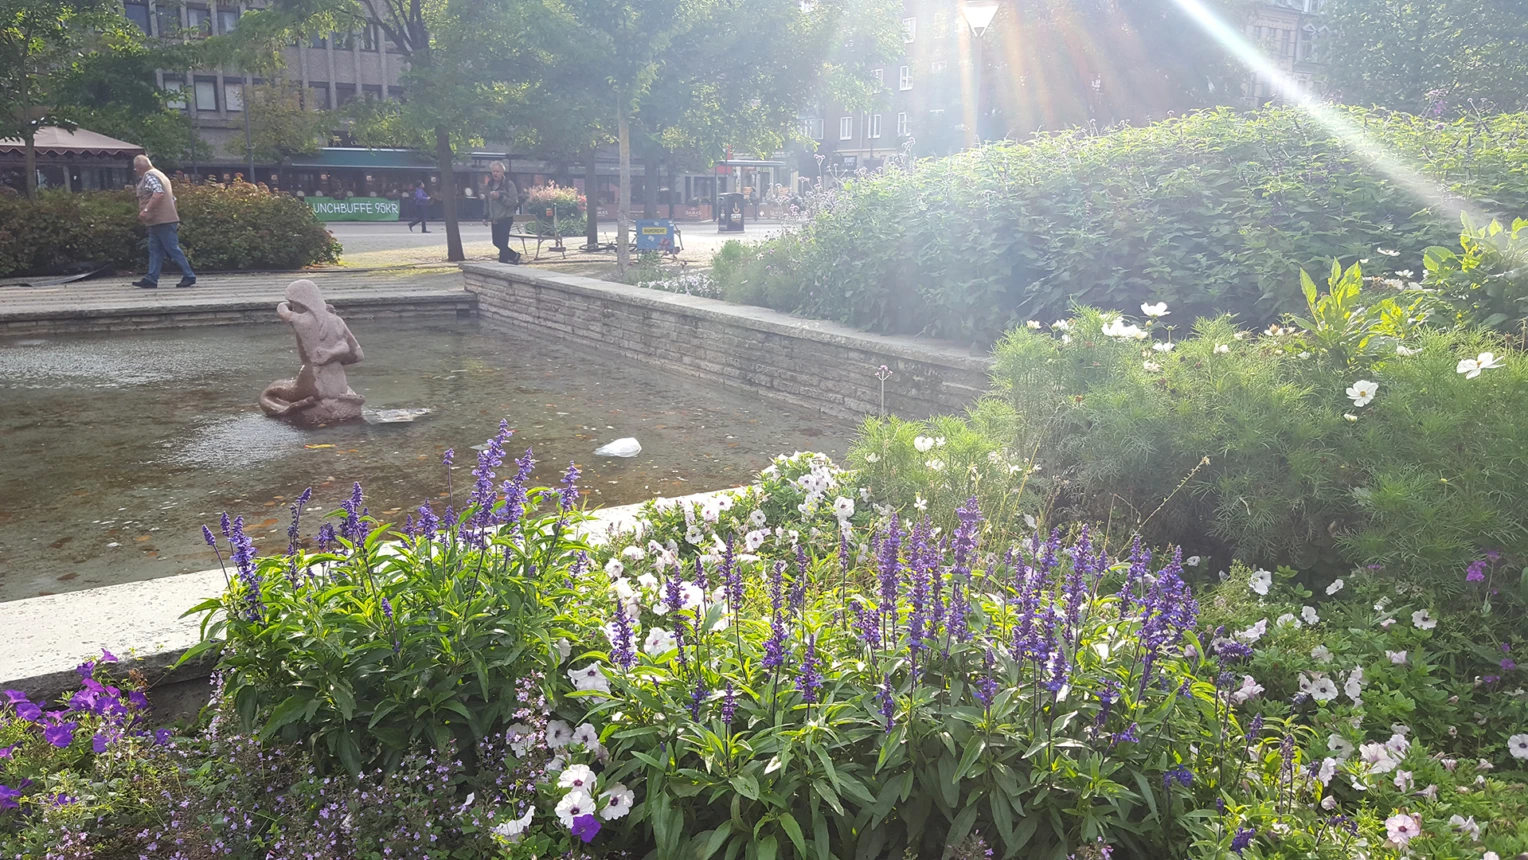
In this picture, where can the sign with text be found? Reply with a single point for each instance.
(655, 235)
(354, 209)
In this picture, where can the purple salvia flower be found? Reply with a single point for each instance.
(225, 524)
(700, 575)
(1140, 563)
(869, 625)
(890, 567)
(327, 537)
(514, 490)
(208, 537)
(888, 704)
(567, 493)
(919, 630)
(242, 554)
(986, 686)
(1243, 839)
(387, 609)
(621, 652)
(964, 545)
(429, 524)
(353, 529)
(731, 577)
(697, 698)
(808, 680)
(774, 648)
(729, 704)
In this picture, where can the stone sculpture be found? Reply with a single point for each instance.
(320, 394)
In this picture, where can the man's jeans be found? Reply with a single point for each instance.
(164, 240)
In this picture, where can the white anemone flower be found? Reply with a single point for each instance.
(1362, 392)
(1473, 367)
(1157, 310)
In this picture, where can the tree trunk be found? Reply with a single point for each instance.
(30, 134)
(444, 156)
(671, 190)
(623, 203)
(650, 187)
(591, 205)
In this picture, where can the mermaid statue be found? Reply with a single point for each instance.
(319, 394)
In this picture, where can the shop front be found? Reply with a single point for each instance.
(79, 160)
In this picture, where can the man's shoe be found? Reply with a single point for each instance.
(145, 283)
(186, 282)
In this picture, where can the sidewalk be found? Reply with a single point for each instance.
(114, 303)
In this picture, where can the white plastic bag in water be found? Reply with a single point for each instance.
(627, 447)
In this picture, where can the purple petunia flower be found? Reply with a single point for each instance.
(5, 752)
(586, 827)
(108, 657)
(8, 797)
(60, 735)
(98, 743)
(162, 737)
(28, 711)
(15, 697)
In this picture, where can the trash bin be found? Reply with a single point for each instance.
(729, 212)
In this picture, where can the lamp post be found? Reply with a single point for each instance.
(978, 15)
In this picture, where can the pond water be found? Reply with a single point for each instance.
(114, 450)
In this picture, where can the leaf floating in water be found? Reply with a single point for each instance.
(325, 445)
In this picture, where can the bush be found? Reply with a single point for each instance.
(567, 207)
(1214, 212)
(222, 229)
(1262, 447)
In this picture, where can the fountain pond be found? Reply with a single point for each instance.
(115, 449)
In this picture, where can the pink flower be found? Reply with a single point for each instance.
(1402, 828)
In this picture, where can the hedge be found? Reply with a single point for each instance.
(222, 229)
(1213, 212)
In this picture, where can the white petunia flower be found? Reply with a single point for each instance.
(1354, 686)
(587, 735)
(1308, 613)
(1261, 580)
(1288, 619)
(1327, 770)
(1403, 780)
(1377, 758)
(590, 677)
(574, 804)
(659, 642)
(558, 734)
(1335, 587)
(1250, 689)
(514, 828)
(843, 507)
(1518, 746)
(1473, 367)
(1253, 633)
(754, 539)
(1362, 392)
(520, 737)
(578, 777)
(1321, 654)
(1323, 690)
(634, 553)
(1397, 658)
(1405, 352)
(1467, 826)
(1192, 561)
(564, 648)
(614, 567)
(1157, 310)
(1062, 325)
(1403, 828)
(1339, 745)
(616, 802)
(1422, 620)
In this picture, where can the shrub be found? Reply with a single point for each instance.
(1213, 212)
(222, 228)
(567, 206)
(1263, 447)
(1489, 280)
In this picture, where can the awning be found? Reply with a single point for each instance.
(55, 141)
(750, 162)
(357, 156)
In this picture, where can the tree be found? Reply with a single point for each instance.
(451, 47)
(280, 127)
(1429, 55)
(41, 43)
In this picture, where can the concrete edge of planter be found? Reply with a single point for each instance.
(142, 624)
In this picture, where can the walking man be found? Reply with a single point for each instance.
(156, 209)
(503, 199)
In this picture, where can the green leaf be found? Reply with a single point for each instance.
(767, 847)
(714, 840)
(793, 830)
(283, 714)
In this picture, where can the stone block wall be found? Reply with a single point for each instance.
(813, 364)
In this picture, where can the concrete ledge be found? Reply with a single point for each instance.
(135, 316)
(141, 623)
(811, 363)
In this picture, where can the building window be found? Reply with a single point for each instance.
(344, 41)
(936, 66)
(369, 40)
(909, 29)
(233, 95)
(198, 22)
(905, 78)
(138, 13)
(812, 127)
(901, 125)
(228, 20)
(880, 76)
(344, 94)
(318, 96)
(395, 93)
(875, 125)
(175, 99)
(846, 128)
(371, 92)
(206, 93)
(318, 40)
(167, 18)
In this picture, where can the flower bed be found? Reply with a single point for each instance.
(795, 670)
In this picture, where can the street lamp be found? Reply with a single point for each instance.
(978, 17)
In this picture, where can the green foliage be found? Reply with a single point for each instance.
(567, 206)
(1212, 212)
(1489, 281)
(1446, 56)
(361, 654)
(280, 126)
(237, 227)
(1253, 446)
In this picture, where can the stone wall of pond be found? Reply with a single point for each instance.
(810, 363)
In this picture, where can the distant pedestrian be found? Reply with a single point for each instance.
(502, 201)
(156, 209)
(421, 203)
